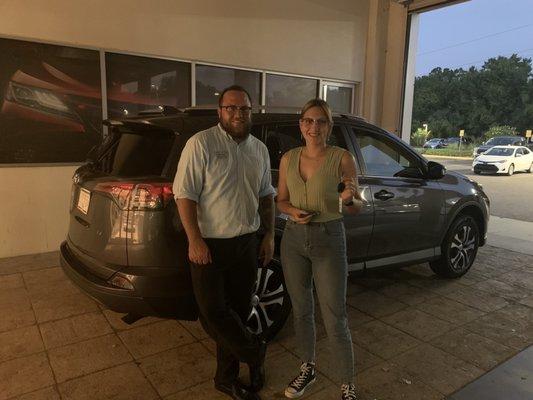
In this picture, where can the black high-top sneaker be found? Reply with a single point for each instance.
(298, 385)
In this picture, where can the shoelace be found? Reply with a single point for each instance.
(305, 370)
(348, 392)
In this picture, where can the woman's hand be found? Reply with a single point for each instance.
(350, 190)
(300, 216)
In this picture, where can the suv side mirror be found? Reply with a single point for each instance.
(435, 170)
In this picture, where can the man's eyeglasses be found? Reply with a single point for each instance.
(234, 109)
(321, 122)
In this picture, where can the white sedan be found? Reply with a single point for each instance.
(504, 160)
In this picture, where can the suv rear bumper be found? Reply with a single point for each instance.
(180, 306)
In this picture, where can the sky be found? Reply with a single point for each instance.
(467, 34)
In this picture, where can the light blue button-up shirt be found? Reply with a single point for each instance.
(226, 180)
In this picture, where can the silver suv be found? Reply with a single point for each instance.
(126, 246)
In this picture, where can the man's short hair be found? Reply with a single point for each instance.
(236, 88)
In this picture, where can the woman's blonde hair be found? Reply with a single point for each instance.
(322, 104)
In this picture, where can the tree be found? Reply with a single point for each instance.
(500, 130)
(419, 137)
(499, 93)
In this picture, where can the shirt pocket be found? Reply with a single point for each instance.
(220, 164)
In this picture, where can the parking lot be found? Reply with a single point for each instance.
(415, 337)
(510, 195)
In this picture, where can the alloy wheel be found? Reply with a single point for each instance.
(463, 247)
(270, 302)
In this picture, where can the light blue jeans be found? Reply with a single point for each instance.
(317, 251)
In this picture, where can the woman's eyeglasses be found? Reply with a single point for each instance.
(321, 122)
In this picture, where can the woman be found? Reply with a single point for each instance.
(313, 246)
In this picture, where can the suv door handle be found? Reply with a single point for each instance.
(383, 195)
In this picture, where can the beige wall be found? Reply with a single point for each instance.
(34, 209)
(310, 37)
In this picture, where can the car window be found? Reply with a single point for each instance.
(519, 151)
(384, 157)
(282, 138)
(525, 151)
(499, 151)
(136, 153)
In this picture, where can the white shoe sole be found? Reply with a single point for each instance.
(299, 394)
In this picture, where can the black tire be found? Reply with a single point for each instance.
(510, 171)
(458, 249)
(477, 172)
(271, 304)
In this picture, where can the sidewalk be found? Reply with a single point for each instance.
(511, 234)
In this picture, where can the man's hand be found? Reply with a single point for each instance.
(266, 249)
(199, 252)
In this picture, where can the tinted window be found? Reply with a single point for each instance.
(139, 83)
(211, 81)
(503, 141)
(135, 154)
(339, 98)
(384, 157)
(289, 93)
(282, 138)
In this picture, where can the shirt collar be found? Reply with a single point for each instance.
(229, 137)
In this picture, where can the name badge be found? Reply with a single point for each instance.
(221, 155)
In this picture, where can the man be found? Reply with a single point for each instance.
(223, 190)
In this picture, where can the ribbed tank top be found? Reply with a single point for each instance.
(319, 193)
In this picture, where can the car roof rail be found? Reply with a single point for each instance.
(200, 110)
(350, 116)
(160, 110)
(112, 122)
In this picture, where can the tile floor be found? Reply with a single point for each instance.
(415, 337)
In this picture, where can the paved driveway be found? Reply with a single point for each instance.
(510, 196)
(415, 337)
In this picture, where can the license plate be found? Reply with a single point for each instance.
(84, 198)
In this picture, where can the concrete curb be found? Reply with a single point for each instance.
(510, 234)
(452, 157)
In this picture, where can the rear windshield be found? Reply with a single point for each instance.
(136, 154)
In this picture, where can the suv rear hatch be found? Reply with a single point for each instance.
(124, 227)
(119, 201)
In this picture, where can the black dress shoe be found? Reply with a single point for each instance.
(236, 391)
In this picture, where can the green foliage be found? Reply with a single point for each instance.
(500, 130)
(499, 93)
(419, 137)
(465, 151)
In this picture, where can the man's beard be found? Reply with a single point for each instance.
(241, 132)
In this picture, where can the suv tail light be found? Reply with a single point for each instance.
(138, 196)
